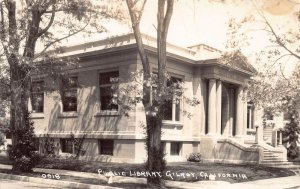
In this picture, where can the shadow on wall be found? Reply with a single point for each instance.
(85, 120)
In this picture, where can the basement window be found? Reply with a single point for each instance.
(106, 147)
(175, 148)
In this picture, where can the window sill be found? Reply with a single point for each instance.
(105, 155)
(107, 113)
(172, 123)
(251, 131)
(37, 115)
(68, 114)
(174, 155)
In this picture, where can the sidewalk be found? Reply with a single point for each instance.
(292, 182)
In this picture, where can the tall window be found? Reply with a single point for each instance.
(250, 108)
(37, 96)
(106, 93)
(171, 107)
(66, 145)
(106, 147)
(69, 94)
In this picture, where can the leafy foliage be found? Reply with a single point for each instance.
(2, 140)
(129, 92)
(194, 157)
(78, 142)
(24, 26)
(48, 147)
(291, 136)
(276, 95)
(23, 153)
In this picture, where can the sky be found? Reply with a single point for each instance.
(206, 21)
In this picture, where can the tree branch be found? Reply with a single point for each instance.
(60, 39)
(168, 15)
(281, 58)
(49, 24)
(138, 37)
(12, 24)
(141, 11)
(278, 39)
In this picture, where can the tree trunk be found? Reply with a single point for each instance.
(19, 97)
(155, 160)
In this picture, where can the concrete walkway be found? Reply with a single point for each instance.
(291, 182)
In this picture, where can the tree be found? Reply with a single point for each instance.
(271, 89)
(155, 160)
(28, 23)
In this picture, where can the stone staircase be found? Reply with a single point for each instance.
(268, 134)
(270, 158)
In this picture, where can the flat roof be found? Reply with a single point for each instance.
(198, 54)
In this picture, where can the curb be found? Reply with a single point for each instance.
(59, 183)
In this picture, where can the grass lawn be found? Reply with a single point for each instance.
(183, 171)
(79, 180)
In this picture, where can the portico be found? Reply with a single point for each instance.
(226, 113)
(227, 108)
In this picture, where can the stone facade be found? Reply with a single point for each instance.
(217, 128)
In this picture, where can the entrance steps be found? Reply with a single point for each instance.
(270, 158)
(267, 132)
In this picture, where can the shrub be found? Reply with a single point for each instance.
(2, 140)
(291, 134)
(48, 147)
(23, 152)
(194, 157)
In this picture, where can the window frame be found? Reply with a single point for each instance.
(106, 85)
(179, 148)
(42, 93)
(72, 89)
(174, 105)
(250, 117)
(64, 147)
(101, 149)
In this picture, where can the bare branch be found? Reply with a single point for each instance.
(62, 38)
(278, 39)
(49, 24)
(168, 16)
(141, 11)
(281, 58)
(138, 37)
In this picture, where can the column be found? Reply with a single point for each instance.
(256, 135)
(212, 107)
(231, 112)
(239, 113)
(219, 107)
(280, 138)
(245, 112)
